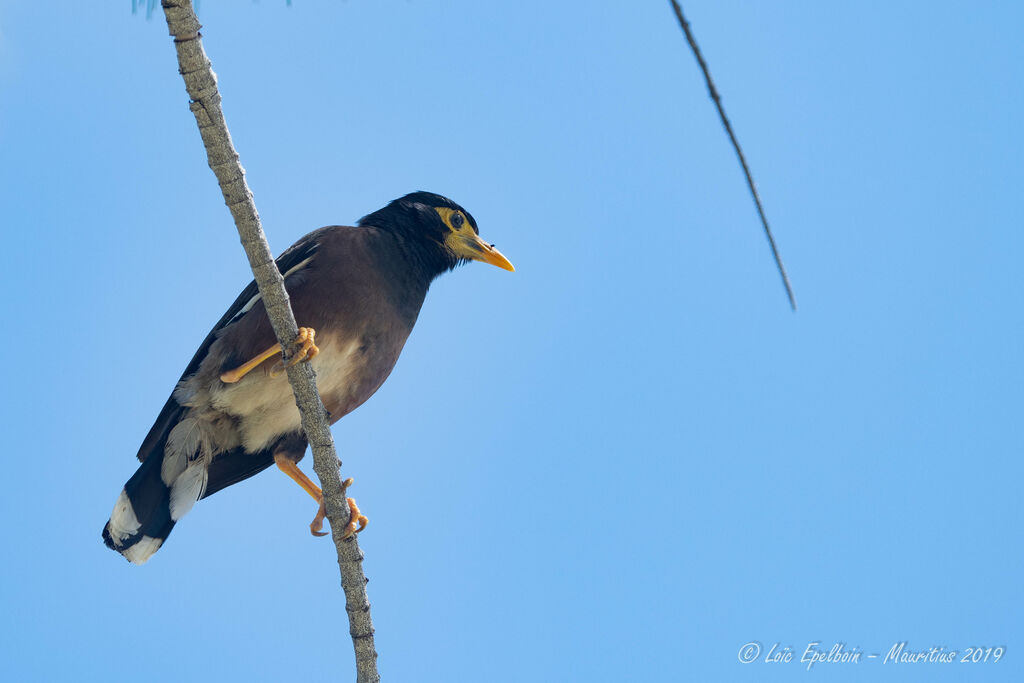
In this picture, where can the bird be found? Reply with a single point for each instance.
(357, 292)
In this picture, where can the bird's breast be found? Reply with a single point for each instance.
(351, 372)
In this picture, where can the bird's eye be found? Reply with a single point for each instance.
(457, 220)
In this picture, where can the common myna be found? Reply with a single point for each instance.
(357, 292)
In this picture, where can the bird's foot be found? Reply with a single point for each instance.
(317, 525)
(306, 350)
(357, 521)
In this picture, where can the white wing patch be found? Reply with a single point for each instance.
(245, 309)
(253, 301)
(297, 267)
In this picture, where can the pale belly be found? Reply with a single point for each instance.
(263, 407)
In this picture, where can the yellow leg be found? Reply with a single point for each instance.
(357, 521)
(288, 466)
(232, 376)
(307, 351)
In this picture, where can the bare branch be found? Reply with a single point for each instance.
(201, 84)
(736, 145)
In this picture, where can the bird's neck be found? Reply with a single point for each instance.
(422, 260)
(411, 267)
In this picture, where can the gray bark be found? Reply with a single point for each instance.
(205, 104)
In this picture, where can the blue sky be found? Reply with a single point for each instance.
(622, 462)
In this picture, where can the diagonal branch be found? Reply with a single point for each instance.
(201, 84)
(736, 145)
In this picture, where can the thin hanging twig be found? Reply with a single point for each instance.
(201, 84)
(736, 145)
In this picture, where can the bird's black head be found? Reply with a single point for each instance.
(445, 233)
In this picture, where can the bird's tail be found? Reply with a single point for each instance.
(168, 483)
(141, 520)
(172, 477)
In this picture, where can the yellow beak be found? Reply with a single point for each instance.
(478, 250)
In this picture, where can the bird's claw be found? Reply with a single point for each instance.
(316, 526)
(357, 521)
(307, 350)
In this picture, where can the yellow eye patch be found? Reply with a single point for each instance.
(455, 220)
